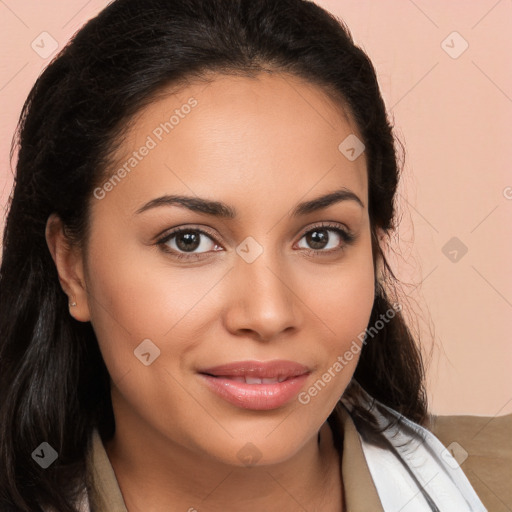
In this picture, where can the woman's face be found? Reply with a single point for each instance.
(259, 279)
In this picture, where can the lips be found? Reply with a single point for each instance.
(257, 372)
(256, 385)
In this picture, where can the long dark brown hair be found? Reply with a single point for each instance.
(54, 385)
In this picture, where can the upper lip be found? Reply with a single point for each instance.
(258, 369)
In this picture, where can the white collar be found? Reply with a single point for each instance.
(410, 467)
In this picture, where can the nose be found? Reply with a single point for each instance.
(263, 303)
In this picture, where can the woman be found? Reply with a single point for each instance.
(195, 298)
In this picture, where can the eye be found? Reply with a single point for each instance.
(320, 242)
(183, 241)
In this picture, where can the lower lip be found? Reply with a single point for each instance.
(259, 397)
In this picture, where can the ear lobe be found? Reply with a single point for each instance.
(68, 261)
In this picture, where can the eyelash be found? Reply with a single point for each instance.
(347, 236)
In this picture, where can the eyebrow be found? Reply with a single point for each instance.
(222, 210)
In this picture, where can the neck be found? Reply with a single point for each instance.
(171, 477)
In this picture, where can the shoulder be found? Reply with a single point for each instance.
(482, 445)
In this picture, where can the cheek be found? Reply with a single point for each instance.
(345, 310)
(347, 300)
(135, 295)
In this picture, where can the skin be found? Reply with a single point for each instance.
(262, 145)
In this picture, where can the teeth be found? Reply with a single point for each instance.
(256, 380)
(253, 380)
(272, 380)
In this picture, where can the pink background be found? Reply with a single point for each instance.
(452, 107)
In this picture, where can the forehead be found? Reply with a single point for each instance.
(233, 133)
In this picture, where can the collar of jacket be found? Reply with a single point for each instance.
(410, 468)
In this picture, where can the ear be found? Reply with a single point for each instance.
(69, 262)
(380, 234)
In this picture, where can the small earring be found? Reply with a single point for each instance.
(72, 304)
